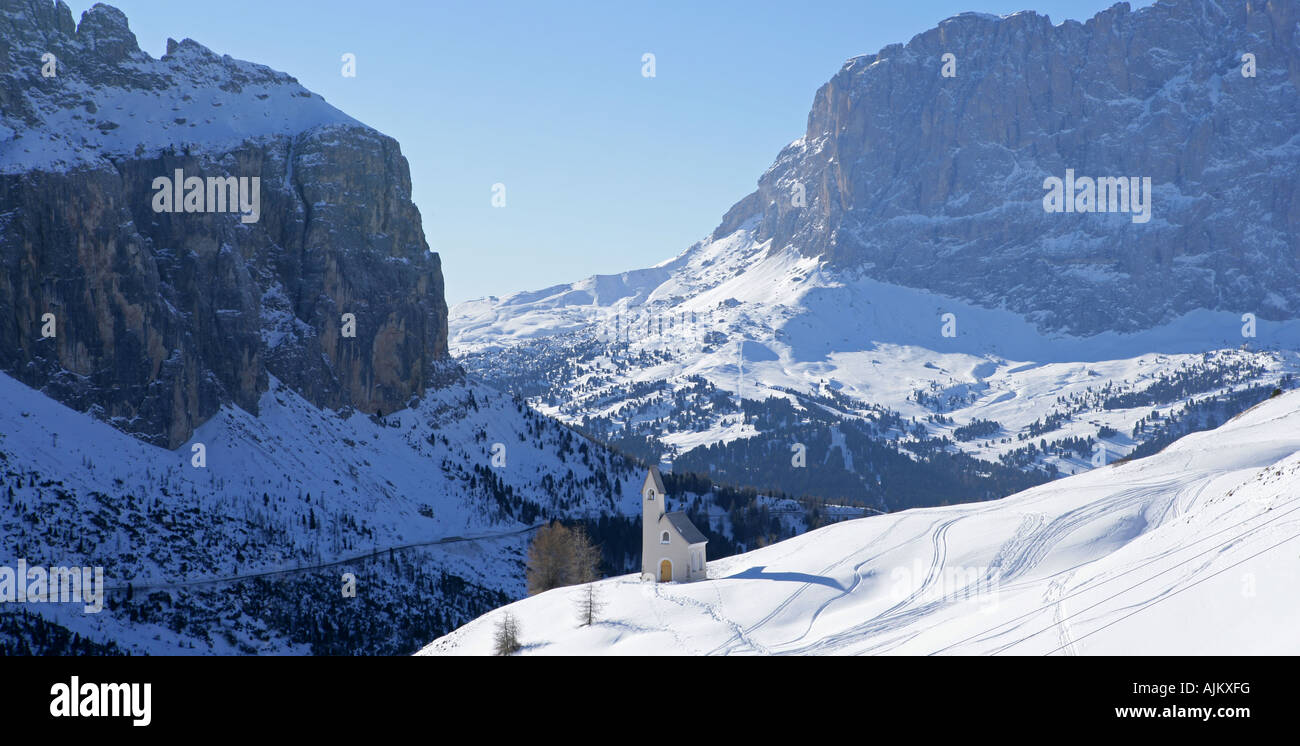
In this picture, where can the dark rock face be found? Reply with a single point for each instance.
(937, 183)
(161, 318)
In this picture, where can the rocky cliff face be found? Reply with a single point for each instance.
(937, 182)
(162, 317)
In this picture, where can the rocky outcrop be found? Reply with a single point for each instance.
(161, 318)
(937, 182)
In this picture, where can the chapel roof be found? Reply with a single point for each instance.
(689, 532)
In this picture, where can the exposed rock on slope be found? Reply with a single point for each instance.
(163, 317)
(937, 183)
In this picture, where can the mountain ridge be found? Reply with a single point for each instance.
(922, 180)
(899, 255)
(162, 318)
(909, 178)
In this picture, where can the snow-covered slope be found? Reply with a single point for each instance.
(297, 489)
(821, 310)
(1190, 551)
(762, 323)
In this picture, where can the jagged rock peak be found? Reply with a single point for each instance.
(937, 182)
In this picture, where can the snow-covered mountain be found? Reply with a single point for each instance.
(896, 267)
(155, 319)
(1188, 552)
(661, 360)
(101, 99)
(933, 177)
(180, 405)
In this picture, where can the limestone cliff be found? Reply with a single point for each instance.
(161, 318)
(935, 182)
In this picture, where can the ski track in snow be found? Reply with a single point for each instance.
(1071, 563)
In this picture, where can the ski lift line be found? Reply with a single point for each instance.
(1217, 547)
(1175, 593)
(310, 568)
(1115, 577)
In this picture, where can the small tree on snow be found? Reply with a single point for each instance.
(507, 635)
(589, 605)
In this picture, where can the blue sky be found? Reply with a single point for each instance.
(604, 170)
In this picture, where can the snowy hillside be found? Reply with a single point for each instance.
(301, 490)
(823, 311)
(660, 352)
(1191, 551)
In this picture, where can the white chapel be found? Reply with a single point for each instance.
(672, 548)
